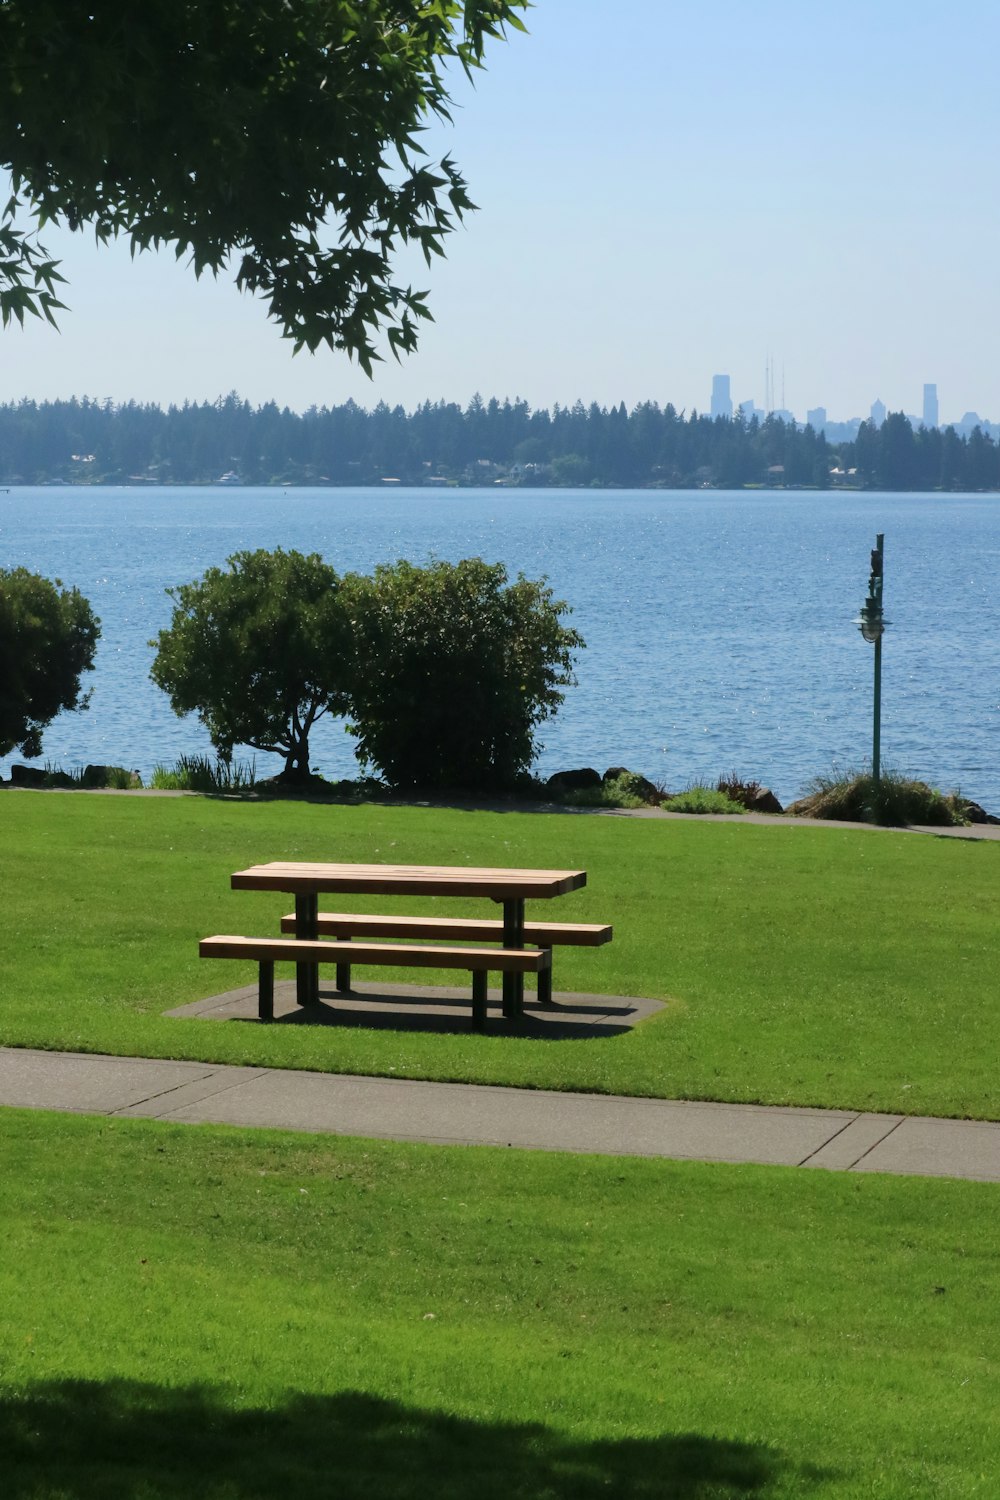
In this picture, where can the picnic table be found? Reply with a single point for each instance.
(306, 881)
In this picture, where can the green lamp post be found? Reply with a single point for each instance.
(872, 623)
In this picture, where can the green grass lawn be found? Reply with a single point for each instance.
(212, 1313)
(802, 966)
(201, 1312)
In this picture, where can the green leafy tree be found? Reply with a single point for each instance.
(48, 636)
(454, 670)
(897, 464)
(981, 469)
(952, 455)
(865, 453)
(277, 135)
(256, 651)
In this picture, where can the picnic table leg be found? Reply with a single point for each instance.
(513, 937)
(307, 927)
(265, 990)
(480, 980)
(343, 970)
(545, 983)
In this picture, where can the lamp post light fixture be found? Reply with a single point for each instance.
(872, 623)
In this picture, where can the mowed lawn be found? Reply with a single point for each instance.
(254, 1315)
(191, 1311)
(825, 966)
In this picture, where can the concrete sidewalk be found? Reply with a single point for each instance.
(476, 1114)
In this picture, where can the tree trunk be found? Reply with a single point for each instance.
(296, 771)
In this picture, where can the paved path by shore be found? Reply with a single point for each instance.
(748, 819)
(485, 1115)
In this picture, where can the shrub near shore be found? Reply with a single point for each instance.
(894, 801)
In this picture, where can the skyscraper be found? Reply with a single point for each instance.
(930, 406)
(722, 401)
(877, 416)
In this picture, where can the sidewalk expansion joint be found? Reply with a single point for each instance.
(831, 1138)
(227, 1086)
(875, 1144)
(162, 1093)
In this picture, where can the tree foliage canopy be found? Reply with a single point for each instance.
(277, 135)
(445, 671)
(255, 650)
(454, 669)
(48, 636)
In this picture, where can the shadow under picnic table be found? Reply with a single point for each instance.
(428, 1008)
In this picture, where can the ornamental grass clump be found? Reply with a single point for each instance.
(625, 791)
(894, 801)
(702, 799)
(86, 778)
(746, 792)
(199, 773)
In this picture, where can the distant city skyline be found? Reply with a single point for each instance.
(722, 401)
(721, 405)
(930, 412)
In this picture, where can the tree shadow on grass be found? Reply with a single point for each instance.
(88, 1440)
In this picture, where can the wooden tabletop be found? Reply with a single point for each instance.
(408, 880)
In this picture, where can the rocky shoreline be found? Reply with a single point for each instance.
(579, 789)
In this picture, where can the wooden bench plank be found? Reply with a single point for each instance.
(402, 955)
(266, 952)
(408, 880)
(457, 929)
(347, 925)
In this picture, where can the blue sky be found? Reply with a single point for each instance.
(667, 191)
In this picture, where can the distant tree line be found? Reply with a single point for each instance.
(97, 442)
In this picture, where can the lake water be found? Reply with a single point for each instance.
(719, 626)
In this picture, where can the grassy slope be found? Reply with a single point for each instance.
(827, 967)
(205, 1312)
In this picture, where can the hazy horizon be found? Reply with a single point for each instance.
(833, 419)
(672, 195)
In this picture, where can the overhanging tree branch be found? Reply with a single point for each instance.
(279, 136)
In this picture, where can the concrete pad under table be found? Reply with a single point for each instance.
(413, 1007)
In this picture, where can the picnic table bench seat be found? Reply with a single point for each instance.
(346, 925)
(266, 952)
